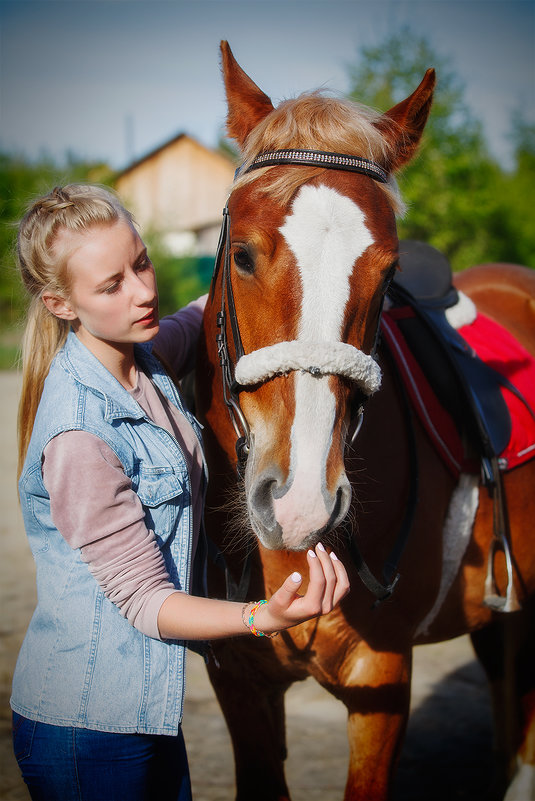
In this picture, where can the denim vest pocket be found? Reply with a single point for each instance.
(40, 509)
(23, 731)
(35, 506)
(163, 493)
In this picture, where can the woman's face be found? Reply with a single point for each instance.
(113, 298)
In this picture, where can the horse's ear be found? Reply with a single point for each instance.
(247, 104)
(409, 118)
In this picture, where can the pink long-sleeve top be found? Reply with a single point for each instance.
(106, 521)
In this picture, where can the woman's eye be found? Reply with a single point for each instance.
(113, 288)
(144, 265)
(243, 260)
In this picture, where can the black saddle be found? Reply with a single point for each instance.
(467, 387)
(425, 274)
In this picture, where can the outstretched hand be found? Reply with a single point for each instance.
(328, 584)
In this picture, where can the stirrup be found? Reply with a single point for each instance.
(493, 600)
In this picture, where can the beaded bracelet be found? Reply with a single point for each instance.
(249, 623)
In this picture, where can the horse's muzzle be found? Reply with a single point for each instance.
(289, 516)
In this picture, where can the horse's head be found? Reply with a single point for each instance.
(306, 255)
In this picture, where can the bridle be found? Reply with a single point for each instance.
(259, 366)
(285, 357)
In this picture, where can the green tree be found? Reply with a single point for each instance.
(20, 182)
(518, 195)
(228, 148)
(180, 278)
(457, 194)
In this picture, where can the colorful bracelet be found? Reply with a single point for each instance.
(249, 622)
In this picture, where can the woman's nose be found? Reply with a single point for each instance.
(144, 290)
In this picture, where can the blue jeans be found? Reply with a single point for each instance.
(63, 763)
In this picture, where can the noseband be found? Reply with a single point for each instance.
(318, 359)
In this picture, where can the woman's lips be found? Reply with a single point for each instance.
(149, 318)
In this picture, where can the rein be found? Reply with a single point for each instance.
(318, 359)
(230, 387)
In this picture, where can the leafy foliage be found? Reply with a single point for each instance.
(519, 193)
(20, 183)
(459, 198)
(180, 279)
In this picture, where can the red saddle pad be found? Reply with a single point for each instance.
(500, 350)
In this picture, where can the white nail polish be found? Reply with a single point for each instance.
(296, 577)
(311, 553)
(320, 546)
(333, 556)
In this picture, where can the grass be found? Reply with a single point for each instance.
(10, 348)
(9, 357)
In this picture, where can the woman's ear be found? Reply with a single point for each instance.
(58, 306)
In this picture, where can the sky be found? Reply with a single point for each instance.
(113, 79)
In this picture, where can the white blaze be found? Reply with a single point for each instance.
(327, 233)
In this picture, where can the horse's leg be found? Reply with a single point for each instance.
(376, 693)
(506, 649)
(253, 708)
(493, 648)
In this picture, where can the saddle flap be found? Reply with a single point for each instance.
(481, 385)
(460, 378)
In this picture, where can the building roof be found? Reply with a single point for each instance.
(155, 151)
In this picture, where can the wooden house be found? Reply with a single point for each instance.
(178, 191)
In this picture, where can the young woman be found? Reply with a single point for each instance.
(111, 485)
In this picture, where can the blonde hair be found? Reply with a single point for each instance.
(43, 267)
(317, 122)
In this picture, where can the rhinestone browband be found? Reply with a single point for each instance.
(334, 161)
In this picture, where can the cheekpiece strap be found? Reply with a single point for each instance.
(317, 158)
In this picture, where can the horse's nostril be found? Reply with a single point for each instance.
(338, 504)
(261, 501)
(343, 500)
(262, 492)
(340, 507)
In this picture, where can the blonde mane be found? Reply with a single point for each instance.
(315, 121)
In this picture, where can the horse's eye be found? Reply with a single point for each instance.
(389, 277)
(243, 260)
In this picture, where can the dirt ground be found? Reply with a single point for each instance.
(448, 749)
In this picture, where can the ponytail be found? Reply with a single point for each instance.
(76, 207)
(43, 337)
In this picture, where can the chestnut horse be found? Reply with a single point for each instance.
(308, 246)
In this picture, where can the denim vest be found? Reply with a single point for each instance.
(81, 663)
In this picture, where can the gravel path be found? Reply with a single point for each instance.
(447, 754)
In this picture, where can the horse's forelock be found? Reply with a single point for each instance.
(316, 122)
